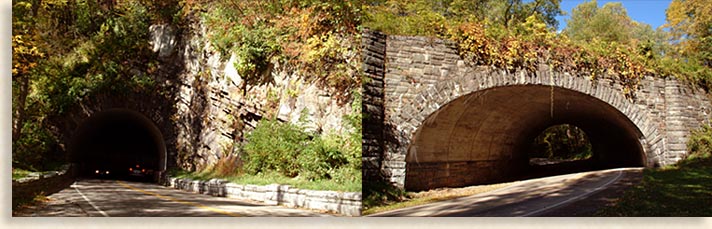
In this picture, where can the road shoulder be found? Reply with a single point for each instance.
(590, 205)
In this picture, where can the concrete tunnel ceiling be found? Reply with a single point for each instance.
(484, 137)
(116, 140)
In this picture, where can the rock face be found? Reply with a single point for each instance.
(439, 121)
(199, 105)
(213, 112)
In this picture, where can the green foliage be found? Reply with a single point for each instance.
(432, 18)
(273, 178)
(36, 150)
(683, 189)
(276, 149)
(379, 193)
(289, 150)
(609, 23)
(406, 18)
(561, 142)
(689, 22)
(526, 45)
(700, 146)
(274, 146)
(321, 158)
(319, 40)
(19, 173)
(66, 51)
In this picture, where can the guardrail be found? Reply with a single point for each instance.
(343, 203)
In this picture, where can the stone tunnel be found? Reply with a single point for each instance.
(484, 136)
(115, 142)
(435, 120)
(190, 115)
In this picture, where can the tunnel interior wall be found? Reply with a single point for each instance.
(423, 74)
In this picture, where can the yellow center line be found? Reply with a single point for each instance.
(178, 201)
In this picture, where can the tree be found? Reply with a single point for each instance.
(517, 11)
(609, 23)
(423, 17)
(690, 23)
(66, 50)
(25, 57)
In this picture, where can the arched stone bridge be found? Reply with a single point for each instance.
(433, 121)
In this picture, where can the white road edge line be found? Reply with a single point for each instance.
(577, 197)
(89, 201)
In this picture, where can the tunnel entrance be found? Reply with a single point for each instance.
(486, 136)
(119, 144)
(560, 149)
(560, 143)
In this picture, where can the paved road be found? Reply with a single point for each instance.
(537, 197)
(112, 198)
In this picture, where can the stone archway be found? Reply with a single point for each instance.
(411, 80)
(483, 136)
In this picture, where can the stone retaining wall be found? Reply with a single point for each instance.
(343, 203)
(45, 183)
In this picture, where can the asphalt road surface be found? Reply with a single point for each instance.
(549, 196)
(112, 198)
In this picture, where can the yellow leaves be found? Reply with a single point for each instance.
(532, 43)
(25, 55)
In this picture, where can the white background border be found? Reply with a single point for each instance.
(291, 223)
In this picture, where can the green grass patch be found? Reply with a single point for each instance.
(276, 178)
(684, 189)
(19, 173)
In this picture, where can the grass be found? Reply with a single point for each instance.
(275, 178)
(19, 173)
(409, 199)
(684, 189)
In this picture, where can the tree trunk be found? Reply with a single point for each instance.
(19, 116)
(507, 14)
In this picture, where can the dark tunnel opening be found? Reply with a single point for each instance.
(119, 144)
(486, 137)
(560, 144)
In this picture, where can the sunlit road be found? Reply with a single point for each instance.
(538, 197)
(110, 198)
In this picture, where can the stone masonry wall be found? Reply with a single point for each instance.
(46, 183)
(423, 74)
(374, 51)
(343, 203)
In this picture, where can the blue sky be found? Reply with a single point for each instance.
(651, 12)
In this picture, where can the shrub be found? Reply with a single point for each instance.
(289, 150)
(700, 145)
(275, 146)
(321, 158)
